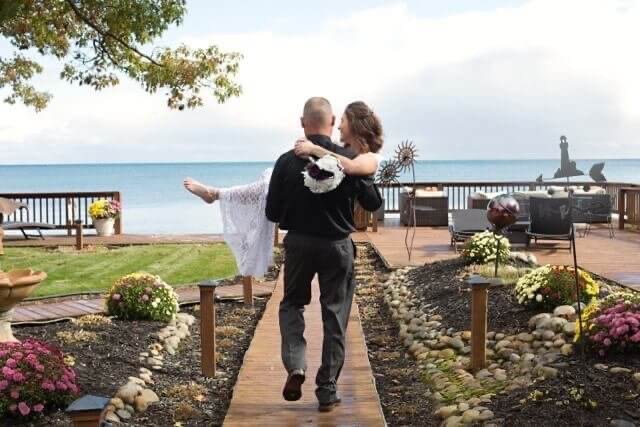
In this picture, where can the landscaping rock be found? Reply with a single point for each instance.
(525, 337)
(128, 393)
(111, 417)
(117, 403)
(470, 416)
(537, 319)
(456, 343)
(569, 329)
(486, 415)
(146, 398)
(636, 377)
(565, 311)
(447, 411)
(123, 415)
(618, 370)
(566, 349)
(622, 423)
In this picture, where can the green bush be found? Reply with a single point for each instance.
(481, 248)
(140, 296)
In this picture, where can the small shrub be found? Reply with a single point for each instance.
(72, 337)
(141, 296)
(34, 377)
(228, 331)
(553, 285)
(613, 324)
(90, 320)
(193, 392)
(481, 248)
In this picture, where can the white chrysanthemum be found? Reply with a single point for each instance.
(539, 298)
(326, 163)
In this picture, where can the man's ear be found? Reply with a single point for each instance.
(333, 120)
(302, 122)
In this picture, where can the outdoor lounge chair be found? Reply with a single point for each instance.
(467, 222)
(593, 209)
(8, 207)
(550, 220)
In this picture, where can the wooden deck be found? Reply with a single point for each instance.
(47, 311)
(257, 396)
(616, 259)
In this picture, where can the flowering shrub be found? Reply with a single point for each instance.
(481, 248)
(613, 324)
(34, 377)
(101, 209)
(553, 285)
(142, 296)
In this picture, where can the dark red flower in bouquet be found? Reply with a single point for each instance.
(318, 174)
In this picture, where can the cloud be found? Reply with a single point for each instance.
(504, 83)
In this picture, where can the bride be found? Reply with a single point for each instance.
(247, 230)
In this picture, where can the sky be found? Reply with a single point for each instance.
(461, 79)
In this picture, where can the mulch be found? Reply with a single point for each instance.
(402, 394)
(441, 289)
(104, 363)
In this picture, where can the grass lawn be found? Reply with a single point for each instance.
(97, 269)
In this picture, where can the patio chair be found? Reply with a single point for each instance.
(465, 223)
(550, 220)
(9, 207)
(593, 209)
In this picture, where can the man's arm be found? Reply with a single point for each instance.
(275, 196)
(368, 194)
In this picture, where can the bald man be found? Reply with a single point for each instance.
(317, 242)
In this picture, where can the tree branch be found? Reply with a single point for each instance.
(105, 33)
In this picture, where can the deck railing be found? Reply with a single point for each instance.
(458, 192)
(629, 207)
(60, 209)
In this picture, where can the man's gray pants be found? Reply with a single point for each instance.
(333, 261)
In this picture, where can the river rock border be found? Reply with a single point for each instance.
(514, 361)
(135, 395)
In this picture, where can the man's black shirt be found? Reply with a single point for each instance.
(297, 209)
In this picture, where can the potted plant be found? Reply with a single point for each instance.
(104, 213)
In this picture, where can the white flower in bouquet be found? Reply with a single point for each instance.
(323, 175)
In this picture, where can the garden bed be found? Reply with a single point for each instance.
(401, 393)
(104, 362)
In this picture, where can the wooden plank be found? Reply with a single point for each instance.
(257, 396)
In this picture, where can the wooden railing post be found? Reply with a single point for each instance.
(247, 289)
(79, 235)
(1, 237)
(68, 219)
(621, 210)
(208, 328)
(118, 225)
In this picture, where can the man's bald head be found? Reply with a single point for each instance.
(317, 116)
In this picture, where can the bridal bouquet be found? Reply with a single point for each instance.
(323, 175)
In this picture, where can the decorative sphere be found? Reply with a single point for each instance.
(502, 211)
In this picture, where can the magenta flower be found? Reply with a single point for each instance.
(145, 297)
(38, 408)
(15, 394)
(11, 363)
(7, 372)
(4, 384)
(48, 385)
(18, 377)
(116, 297)
(24, 408)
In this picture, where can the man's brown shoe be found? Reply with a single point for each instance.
(293, 387)
(329, 406)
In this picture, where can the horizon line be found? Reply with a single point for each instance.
(271, 161)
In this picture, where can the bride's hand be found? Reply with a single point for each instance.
(303, 148)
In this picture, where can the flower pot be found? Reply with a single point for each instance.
(104, 226)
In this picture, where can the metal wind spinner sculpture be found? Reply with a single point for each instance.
(406, 155)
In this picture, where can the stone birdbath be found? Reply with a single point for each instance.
(15, 286)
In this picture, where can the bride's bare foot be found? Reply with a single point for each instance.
(207, 194)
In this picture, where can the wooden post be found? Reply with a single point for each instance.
(118, 225)
(479, 293)
(1, 238)
(68, 222)
(79, 236)
(275, 237)
(208, 328)
(621, 208)
(247, 289)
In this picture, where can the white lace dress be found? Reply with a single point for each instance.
(246, 228)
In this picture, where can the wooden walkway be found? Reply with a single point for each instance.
(47, 311)
(257, 396)
(616, 259)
